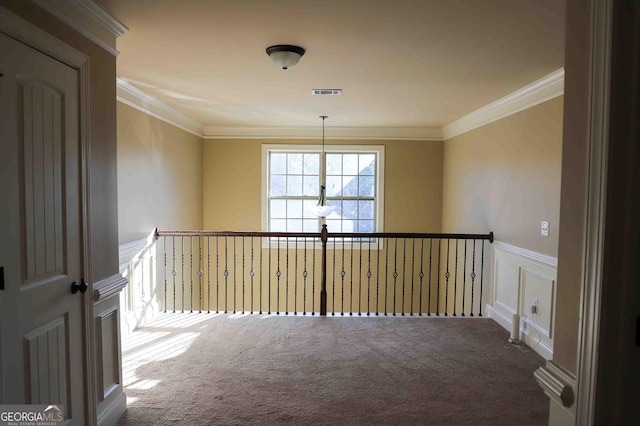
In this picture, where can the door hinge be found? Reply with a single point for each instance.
(1, 277)
(638, 331)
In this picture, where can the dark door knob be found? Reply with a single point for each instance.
(79, 287)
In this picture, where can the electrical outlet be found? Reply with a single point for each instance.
(534, 306)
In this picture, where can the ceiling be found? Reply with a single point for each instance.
(401, 64)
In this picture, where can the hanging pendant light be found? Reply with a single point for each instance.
(323, 209)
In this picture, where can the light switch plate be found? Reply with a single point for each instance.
(544, 228)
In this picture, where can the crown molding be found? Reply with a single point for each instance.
(87, 18)
(533, 94)
(346, 133)
(108, 22)
(136, 98)
(548, 87)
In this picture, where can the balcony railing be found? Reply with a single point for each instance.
(322, 273)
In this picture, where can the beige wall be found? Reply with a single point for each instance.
(233, 173)
(159, 176)
(505, 177)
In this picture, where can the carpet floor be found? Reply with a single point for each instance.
(205, 369)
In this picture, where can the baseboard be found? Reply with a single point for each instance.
(528, 336)
(110, 415)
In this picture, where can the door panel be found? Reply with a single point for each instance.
(40, 109)
(40, 228)
(47, 363)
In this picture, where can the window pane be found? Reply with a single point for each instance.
(334, 226)
(296, 175)
(334, 185)
(278, 164)
(294, 225)
(337, 208)
(310, 225)
(294, 209)
(294, 164)
(294, 185)
(350, 209)
(365, 226)
(278, 225)
(350, 186)
(366, 209)
(278, 185)
(311, 164)
(308, 209)
(311, 185)
(366, 184)
(350, 164)
(367, 164)
(349, 225)
(278, 209)
(334, 164)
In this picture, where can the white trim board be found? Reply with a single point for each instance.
(130, 249)
(547, 88)
(86, 16)
(130, 95)
(527, 254)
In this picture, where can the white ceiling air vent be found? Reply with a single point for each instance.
(326, 92)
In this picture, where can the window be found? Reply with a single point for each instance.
(292, 175)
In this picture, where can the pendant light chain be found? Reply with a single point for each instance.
(323, 118)
(323, 209)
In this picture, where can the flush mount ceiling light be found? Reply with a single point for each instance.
(285, 55)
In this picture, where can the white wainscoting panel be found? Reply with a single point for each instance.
(138, 265)
(521, 277)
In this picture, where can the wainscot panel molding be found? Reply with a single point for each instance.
(520, 277)
(109, 286)
(87, 18)
(138, 264)
(560, 386)
(112, 401)
(547, 88)
(111, 414)
(129, 250)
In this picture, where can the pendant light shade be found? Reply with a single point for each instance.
(323, 209)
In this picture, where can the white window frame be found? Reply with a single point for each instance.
(346, 149)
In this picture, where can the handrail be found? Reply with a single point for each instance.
(458, 236)
(324, 236)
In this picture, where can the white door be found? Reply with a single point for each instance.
(41, 321)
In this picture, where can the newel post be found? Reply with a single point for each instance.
(323, 280)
